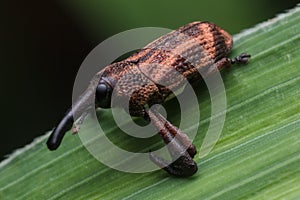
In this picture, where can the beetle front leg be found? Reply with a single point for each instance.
(180, 148)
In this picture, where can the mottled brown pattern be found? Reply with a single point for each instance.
(152, 75)
(184, 51)
(192, 29)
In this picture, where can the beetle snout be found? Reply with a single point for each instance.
(58, 133)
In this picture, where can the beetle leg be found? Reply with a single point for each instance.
(243, 58)
(181, 136)
(180, 148)
(78, 123)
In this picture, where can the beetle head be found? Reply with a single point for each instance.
(109, 77)
(99, 92)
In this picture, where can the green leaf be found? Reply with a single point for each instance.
(256, 157)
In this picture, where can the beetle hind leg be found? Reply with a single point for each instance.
(182, 167)
(180, 148)
(243, 58)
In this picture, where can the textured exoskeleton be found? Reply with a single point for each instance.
(149, 76)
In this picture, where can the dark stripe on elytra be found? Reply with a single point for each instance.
(147, 56)
(182, 65)
(191, 30)
(176, 38)
(222, 49)
(173, 40)
(219, 43)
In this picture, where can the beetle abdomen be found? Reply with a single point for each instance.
(168, 61)
(191, 47)
(190, 40)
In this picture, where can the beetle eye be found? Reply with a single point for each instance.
(101, 91)
(103, 95)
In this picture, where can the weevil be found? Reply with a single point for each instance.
(193, 47)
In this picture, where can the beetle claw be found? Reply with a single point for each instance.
(179, 146)
(243, 58)
(182, 167)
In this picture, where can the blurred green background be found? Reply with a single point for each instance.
(44, 42)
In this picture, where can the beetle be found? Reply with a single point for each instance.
(193, 47)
